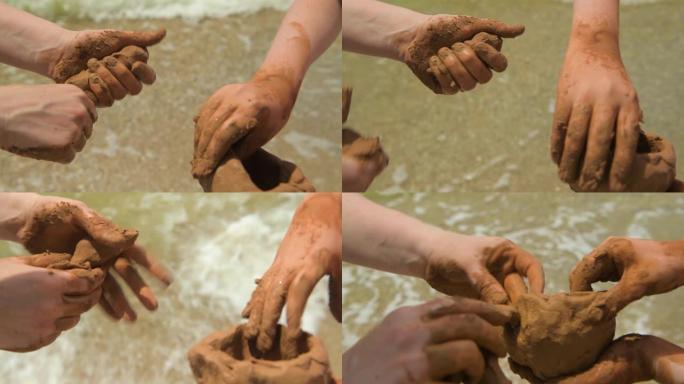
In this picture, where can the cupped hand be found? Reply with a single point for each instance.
(240, 118)
(451, 32)
(641, 268)
(45, 122)
(445, 340)
(311, 249)
(476, 266)
(38, 304)
(596, 120)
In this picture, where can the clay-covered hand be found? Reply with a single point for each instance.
(363, 159)
(445, 340)
(476, 266)
(37, 304)
(641, 268)
(242, 118)
(468, 64)
(57, 224)
(113, 73)
(45, 122)
(596, 120)
(311, 249)
(631, 358)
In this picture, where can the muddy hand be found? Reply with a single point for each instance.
(444, 340)
(242, 118)
(445, 31)
(641, 268)
(311, 249)
(476, 267)
(363, 159)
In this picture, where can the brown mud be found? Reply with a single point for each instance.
(654, 168)
(84, 263)
(227, 357)
(260, 172)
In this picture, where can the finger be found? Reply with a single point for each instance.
(131, 54)
(458, 72)
(256, 308)
(75, 305)
(523, 371)
(92, 110)
(467, 326)
(561, 116)
(273, 307)
(139, 38)
(207, 127)
(486, 285)
(80, 143)
(528, 266)
(108, 239)
(225, 137)
(74, 285)
(117, 90)
(438, 70)
(493, 58)
(141, 257)
(335, 293)
(101, 91)
(112, 292)
(494, 314)
(601, 136)
(626, 142)
(65, 156)
(472, 63)
(575, 142)
(495, 27)
(144, 72)
(132, 278)
(597, 266)
(622, 294)
(123, 74)
(514, 286)
(108, 309)
(66, 323)
(455, 357)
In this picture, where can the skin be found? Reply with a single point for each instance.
(439, 341)
(311, 249)
(243, 117)
(596, 103)
(425, 43)
(631, 358)
(16, 214)
(39, 304)
(455, 264)
(641, 268)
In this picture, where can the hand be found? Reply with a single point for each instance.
(447, 339)
(39, 304)
(641, 267)
(446, 31)
(596, 120)
(117, 73)
(363, 159)
(476, 267)
(56, 224)
(629, 359)
(240, 118)
(45, 122)
(311, 249)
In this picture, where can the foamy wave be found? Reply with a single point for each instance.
(145, 9)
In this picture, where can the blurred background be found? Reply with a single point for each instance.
(215, 246)
(558, 229)
(496, 137)
(145, 143)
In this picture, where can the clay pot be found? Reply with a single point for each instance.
(654, 168)
(261, 172)
(226, 357)
(559, 334)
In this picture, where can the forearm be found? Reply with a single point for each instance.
(675, 250)
(28, 42)
(596, 25)
(374, 28)
(307, 30)
(13, 213)
(384, 239)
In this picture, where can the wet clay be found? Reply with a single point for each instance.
(654, 168)
(82, 263)
(559, 334)
(58, 229)
(226, 357)
(260, 172)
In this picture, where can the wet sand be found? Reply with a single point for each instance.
(144, 143)
(557, 229)
(202, 239)
(496, 138)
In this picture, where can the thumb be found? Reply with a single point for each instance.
(622, 294)
(486, 285)
(496, 27)
(108, 239)
(139, 38)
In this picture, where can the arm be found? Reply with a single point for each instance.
(261, 107)
(452, 263)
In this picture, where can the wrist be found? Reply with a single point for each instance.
(400, 41)
(48, 57)
(283, 81)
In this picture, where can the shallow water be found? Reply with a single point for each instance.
(144, 143)
(216, 245)
(558, 230)
(496, 138)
